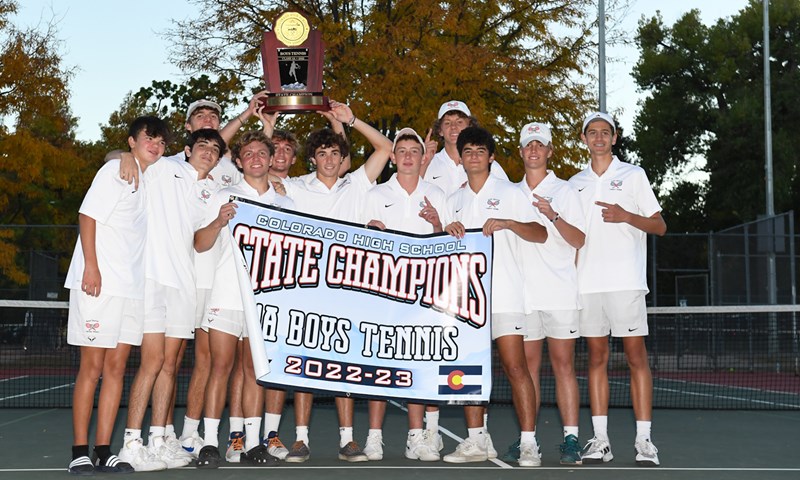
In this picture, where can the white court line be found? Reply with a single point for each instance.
(16, 420)
(13, 378)
(736, 387)
(36, 392)
(455, 437)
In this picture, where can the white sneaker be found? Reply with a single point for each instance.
(192, 444)
(373, 448)
(172, 460)
(139, 457)
(422, 447)
(174, 446)
(468, 451)
(275, 447)
(597, 450)
(646, 453)
(529, 455)
(434, 439)
(490, 446)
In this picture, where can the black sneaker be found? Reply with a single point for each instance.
(113, 465)
(299, 453)
(208, 457)
(259, 456)
(352, 453)
(81, 466)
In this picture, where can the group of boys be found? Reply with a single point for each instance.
(155, 266)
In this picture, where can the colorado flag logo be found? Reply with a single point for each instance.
(460, 380)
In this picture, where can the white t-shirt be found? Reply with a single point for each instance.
(225, 292)
(342, 202)
(551, 280)
(175, 206)
(445, 174)
(121, 216)
(614, 257)
(392, 205)
(504, 200)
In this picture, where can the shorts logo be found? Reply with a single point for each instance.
(91, 327)
(460, 380)
(616, 184)
(492, 204)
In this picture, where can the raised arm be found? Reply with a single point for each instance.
(229, 130)
(338, 127)
(382, 145)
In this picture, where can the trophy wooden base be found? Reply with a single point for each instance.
(296, 103)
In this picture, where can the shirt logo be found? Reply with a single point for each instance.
(492, 204)
(387, 205)
(435, 177)
(344, 183)
(227, 180)
(582, 189)
(422, 204)
(205, 195)
(616, 184)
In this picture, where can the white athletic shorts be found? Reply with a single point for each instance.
(508, 324)
(227, 321)
(201, 307)
(168, 310)
(622, 314)
(561, 324)
(104, 321)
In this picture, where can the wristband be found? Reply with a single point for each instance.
(352, 122)
(555, 218)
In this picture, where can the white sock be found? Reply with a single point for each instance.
(486, 421)
(376, 431)
(414, 432)
(132, 434)
(600, 425)
(571, 431)
(478, 434)
(301, 434)
(252, 427)
(189, 427)
(432, 421)
(643, 429)
(271, 423)
(211, 427)
(237, 424)
(169, 431)
(156, 437)
(345, 436)
(527, 438)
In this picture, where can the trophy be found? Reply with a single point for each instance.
(292, 55)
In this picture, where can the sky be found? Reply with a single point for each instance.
(115, 48)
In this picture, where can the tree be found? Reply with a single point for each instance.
(169, 101)
(395, 62)
(42, 176)
(705, 86)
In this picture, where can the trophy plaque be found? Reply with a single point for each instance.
(292, 55)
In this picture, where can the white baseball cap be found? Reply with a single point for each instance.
(535, 131)
(411, 132)
(200, 104)
(599, 116)
(452, 105)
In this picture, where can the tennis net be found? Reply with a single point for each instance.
(743, 357)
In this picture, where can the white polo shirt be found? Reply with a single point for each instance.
(176, 201)
(445, 174)
(391, 204)
(225, 291)
(342, 202)
(121, 216)
(551, 279)
(614, 257)
(504, 200)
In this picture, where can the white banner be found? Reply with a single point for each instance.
(350, 310)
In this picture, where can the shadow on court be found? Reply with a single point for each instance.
(693, 444)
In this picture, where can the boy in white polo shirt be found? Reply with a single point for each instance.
(106, 282)
(325, 194)
(224, 319)
(501, 210)
(620, 210)
(444, 168)
(551, 283)
(405, 203)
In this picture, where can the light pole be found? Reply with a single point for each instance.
(601, 33)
